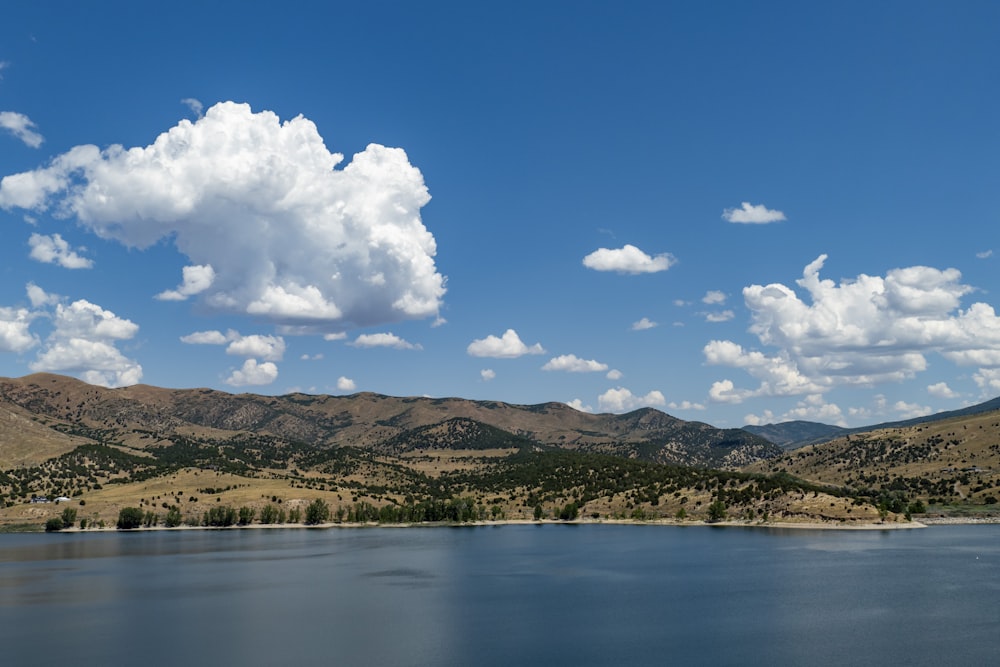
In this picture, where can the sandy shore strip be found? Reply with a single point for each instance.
(781, 525)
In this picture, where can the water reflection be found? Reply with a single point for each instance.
(595, 595)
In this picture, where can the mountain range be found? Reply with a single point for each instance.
(384, 458)
(140, 416)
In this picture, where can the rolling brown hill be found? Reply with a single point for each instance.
(191, 452)
(952, 461)
(140, 416)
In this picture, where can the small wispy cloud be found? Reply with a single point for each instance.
(384, 340)
(56, 250)
(643, 324)
(714, 297)
(723, 316)
(21, 127)
(984, 254)
(753, 215)
(195, 105)
(941, 390)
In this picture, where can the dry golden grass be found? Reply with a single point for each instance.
(27, 442)
(937, 450)
(435, 462)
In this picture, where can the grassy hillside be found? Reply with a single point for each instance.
(951, 464)
(193, 454)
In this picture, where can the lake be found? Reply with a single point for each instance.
(511, 595)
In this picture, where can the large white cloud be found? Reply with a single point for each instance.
(83, 342)
(55, 250)
(627, 259)
(21, 127)
(753, 215)
(508, 346)
(291, 239)
(859, 332)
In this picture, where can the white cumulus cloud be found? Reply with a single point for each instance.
(621, 399)
(205, 338)
(384, 340)
(508, 346)
(988, 381)
(253, 374)
(643, 324)
(685, 405)
(714, 297)
(292, 239)
(15, 333)
(815, 408)
(864, 331)
(487, 374)
(615, 374)
(83, 342)
(911, 410)
(941, 390)
(628, 259)
(754, 215)
(345, 384)
(721, 316)
(578, 405)
(39, 297)
(573, 364)
(268, 348)
(197, 279)
(21, 127)
(55, 250)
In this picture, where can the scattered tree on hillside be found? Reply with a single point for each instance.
(317, 512)
(130, 518)
(716, 511)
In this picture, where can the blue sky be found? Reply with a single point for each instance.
(733, 212)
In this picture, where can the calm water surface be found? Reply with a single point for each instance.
(507, 595)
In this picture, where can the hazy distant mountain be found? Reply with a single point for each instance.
(794, 434)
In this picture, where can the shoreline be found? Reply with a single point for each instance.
(781, 525)
(924, 522)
